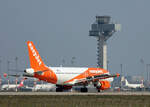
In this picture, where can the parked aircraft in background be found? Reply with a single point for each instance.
(133, 85)
(44, 87)
(12, 86)
(40, 87)
(66, 77)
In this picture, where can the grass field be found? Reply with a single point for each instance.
(74, 101)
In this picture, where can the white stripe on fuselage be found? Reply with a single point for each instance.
(66, 73)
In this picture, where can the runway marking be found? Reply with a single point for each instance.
(74, 93)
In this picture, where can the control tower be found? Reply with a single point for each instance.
(102, 29)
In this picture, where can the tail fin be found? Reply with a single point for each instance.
(21, 84)
(5, 75)
(126, 82)
(35, 60)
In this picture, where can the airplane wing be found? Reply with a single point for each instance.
(95, 78)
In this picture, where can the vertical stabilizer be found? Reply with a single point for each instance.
(126, 82)
(35, 60)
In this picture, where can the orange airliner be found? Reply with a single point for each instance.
(66, 77)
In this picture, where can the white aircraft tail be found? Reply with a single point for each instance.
(126, 82)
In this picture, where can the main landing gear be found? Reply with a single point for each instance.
(61, 88)
(84, 89)
(58, 89)
(98, 90)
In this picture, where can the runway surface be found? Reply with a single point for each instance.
(74, 93)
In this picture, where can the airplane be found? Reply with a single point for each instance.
(66, 77)
(12, 86)
(44, 87)
(133, 85)
(39, 87)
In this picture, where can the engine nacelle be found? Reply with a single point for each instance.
(103, 85)
(29, 71)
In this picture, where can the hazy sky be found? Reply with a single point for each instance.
(60, 29)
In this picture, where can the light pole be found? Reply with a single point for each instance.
(34, 84)
(16, 59)
(121, 69)
(0, 81)
(8, 62)
(147, 69)
(121, 76)
(63, 62)
(73, 60)
(0, 64)
(142, 73)
(0, 72)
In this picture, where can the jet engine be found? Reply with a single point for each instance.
(103, 85)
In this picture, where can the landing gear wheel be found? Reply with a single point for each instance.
(59, 90)
(99, 90)
(84, 90)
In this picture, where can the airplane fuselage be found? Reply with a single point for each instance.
(10, 86)
(69, 75)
